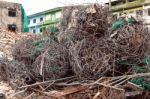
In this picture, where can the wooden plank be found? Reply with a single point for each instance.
(134, 86)
(133, 93)
(68, 91)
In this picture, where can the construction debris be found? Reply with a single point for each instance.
(86, 59)
(8, 39)
(97, 52)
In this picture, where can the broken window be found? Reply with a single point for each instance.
(41, 19)
(12, 27)
(34, 21)
(12, 12)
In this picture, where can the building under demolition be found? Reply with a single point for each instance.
(11, 16)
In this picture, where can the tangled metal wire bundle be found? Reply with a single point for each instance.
(83, 22)
(11, 70)
(22, 50)
(94, 50)
(53, 63)
(91, 58)
(131, 44)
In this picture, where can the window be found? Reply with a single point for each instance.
(34, 21)
(40, 30)
(48, 17)
(34, 31)
(131, 12)
(12, 12)
(58, 15)
(139, 12)
(29, 22)
(149, 12)
(12, 27)
(53, 17)
(41, 19)
(131, 0)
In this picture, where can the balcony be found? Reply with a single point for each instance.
(48, 22)
(135, 3)
(118, 7)
(128, 5)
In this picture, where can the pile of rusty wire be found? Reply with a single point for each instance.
(11, 69)
(53, 63)
(85, 46)
(97, 52)
(22, 50)
(44, 57)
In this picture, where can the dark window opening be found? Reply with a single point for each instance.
(29, 22)
(41, 19)
(34, 31)
(148, 12)
(44, 28)
(118, 2)
(12, 12)
(12, 27)
(34, 21)
(41, 30)
(131, 0)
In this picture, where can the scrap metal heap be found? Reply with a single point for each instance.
(89, 58)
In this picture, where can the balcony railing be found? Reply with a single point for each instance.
(48, 22)
(128, 5)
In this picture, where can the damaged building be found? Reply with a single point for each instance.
(11, 16)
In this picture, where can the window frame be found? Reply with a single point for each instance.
(12, 13)
(34, 20)
(34, 31)
(12, 27)
(41, 19)
(148, 12)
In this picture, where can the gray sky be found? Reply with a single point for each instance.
(34, 6)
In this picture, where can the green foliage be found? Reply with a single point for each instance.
(141, 81)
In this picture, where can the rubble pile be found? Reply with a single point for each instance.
(95, 51)
(8, 39)
(87, 60)
(23, 50)
(53, 63)
(11, 69)
(44, 57)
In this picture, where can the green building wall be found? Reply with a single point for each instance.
(52, 18)
(128, 7)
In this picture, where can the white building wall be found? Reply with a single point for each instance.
(146, 16)
(37, 25)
